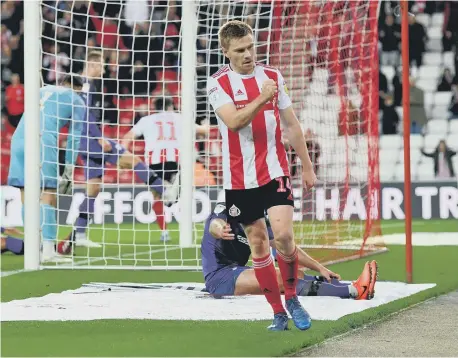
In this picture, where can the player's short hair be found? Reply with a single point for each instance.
(162, 103)
(234, 29)
(94, 55)
(73, 80)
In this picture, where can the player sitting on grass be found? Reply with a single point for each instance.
(225, 253)
(96, 151)
(59, 106)
(9, 243)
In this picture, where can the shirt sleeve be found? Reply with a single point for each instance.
(283, 96)
(75, 131)
(217, 97)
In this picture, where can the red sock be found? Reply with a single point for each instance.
(288, 268)
(158, 208)
(264, 270)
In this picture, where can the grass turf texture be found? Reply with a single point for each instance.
(190, 338)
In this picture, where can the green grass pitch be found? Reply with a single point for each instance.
(175, 338)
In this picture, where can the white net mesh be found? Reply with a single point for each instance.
(325, 51)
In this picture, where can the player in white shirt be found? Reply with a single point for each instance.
(251, 103)
(162, 133)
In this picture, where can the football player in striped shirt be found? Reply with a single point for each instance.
(161, 132)
(252, 105)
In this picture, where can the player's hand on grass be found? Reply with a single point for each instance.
(65, 183)
(106, 145)
(269, 89)
(328, 274)
(309, 178)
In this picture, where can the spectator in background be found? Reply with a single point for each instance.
(446, 81)
(55, 64)
(383, 89)
(417, 40)
(417, 107)
(390, 37)
(454, 102)
(450, 27)
(14, 100)
(397, 87)
(390, 118)
(442, 156)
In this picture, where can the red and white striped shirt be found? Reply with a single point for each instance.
(255, 155)
(162, 133)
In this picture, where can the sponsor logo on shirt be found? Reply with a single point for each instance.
(239, 93)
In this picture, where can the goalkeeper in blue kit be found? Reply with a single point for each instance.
(60, 106)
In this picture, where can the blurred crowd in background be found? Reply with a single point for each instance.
(141, 43)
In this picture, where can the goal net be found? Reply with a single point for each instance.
(327, 53)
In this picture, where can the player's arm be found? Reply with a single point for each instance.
(202, 130)
(76, 127)
(295, 136)
(237, 119)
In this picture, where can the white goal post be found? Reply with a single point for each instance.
(325, 51)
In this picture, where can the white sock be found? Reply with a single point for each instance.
(353, 291)
(80, 236)
(48, 248)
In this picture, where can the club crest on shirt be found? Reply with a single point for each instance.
(234, 211)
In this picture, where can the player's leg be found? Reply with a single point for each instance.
(48, 181)
(93, 170)
(128, 160)
(154, 179)
(246, 207)
(12, 244)
(247, 284)
(279, 204)
(158, 205)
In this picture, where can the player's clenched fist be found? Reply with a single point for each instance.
(309, 178)
(269, 88)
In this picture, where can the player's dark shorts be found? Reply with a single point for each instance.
(165, 170)
(248, 205)
(222, 282)
(94, 162)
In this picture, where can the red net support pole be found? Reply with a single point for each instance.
(406, 123)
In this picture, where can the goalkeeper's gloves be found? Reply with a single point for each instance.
(65, 183)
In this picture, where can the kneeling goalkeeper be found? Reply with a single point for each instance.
(225, 253)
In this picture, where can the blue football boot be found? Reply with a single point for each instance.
(280, 322)
(300, 316)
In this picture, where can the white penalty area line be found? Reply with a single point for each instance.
(10, 273)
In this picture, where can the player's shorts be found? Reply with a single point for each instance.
(94, 162)
(248, 205)
(165, 171)
(49, 167)
(222, 281)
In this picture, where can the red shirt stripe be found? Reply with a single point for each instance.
(259, 134)
(281, 152)
(235, 149)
